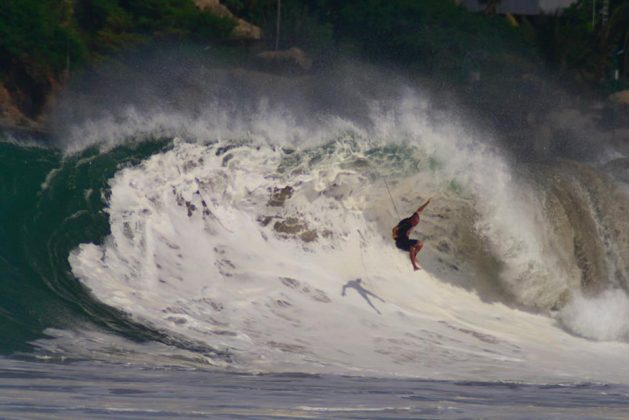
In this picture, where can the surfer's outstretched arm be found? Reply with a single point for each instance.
(423, 206)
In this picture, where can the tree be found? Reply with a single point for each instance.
(614, 40)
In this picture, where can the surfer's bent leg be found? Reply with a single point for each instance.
(413, 253)
(412, 246)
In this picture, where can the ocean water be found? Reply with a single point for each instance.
(94, 390)
(236, 261)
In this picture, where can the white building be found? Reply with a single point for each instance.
(522, 7)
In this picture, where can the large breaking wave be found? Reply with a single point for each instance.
(259, 239)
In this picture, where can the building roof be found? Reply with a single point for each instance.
(521, 7)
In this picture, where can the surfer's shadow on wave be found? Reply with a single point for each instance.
(364, 293)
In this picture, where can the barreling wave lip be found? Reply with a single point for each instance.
(47, 213)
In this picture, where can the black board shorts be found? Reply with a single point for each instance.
(406, 244)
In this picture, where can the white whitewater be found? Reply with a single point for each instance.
(208, 246)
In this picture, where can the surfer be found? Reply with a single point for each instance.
(401, 232)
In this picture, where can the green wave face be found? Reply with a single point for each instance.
(50, 204)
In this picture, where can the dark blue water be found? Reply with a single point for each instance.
(30, 389)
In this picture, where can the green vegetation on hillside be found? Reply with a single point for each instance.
(39, 32)
(439, 37)
(433, 36)
(107, 25)
(436, 37)
(53, 34)
(587, 40)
